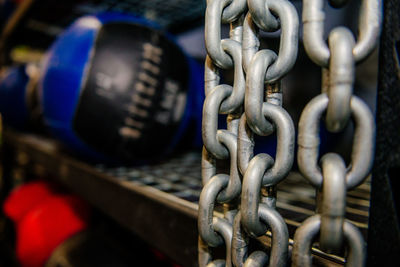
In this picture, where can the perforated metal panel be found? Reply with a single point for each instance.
(180, 176)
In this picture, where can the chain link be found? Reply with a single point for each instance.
(262, 16)
(253, 105)
(287, 54)
(308, 141)
(340, 79)
(308, 231)
(332, 203)
(313, 29)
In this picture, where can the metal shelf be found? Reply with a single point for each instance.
(158, 202)
(150, 213)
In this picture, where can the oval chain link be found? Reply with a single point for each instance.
(332, 203)
(224, 229)
(309, 229)
(340, 79)
(369, 27)
(280, 238)
(362, 155)
(262, 16)
(289, 24)
(213, 33)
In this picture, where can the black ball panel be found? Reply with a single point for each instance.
(133, 94)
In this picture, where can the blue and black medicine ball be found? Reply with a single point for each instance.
(115, 86)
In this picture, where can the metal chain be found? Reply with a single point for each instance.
(252, 105)
(219, 144)
(263, 115)
(332, 180)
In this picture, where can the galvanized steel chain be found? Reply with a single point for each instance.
(252, 105)
(264, 115)
(220, 144)
(333, 179)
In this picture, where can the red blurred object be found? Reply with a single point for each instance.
(44, 219)
(47, 226)
(25, 197)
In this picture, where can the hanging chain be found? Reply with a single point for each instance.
(264, 115)
(252, 105)
(220, 144)
(333, 179)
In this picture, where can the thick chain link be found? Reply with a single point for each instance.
(332, 180)
(341, 54)
(253, 105)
